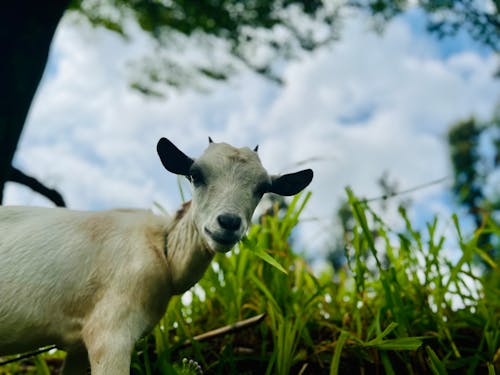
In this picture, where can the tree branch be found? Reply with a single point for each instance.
(226, 330)
(21, 178)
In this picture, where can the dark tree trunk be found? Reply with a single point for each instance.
(26, 32)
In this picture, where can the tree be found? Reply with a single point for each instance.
(475, 156)
(25, 35)
(446, 17)
(28, 28)
(255, 33)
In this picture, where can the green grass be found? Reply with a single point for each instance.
(398, 307)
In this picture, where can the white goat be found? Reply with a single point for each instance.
(93, 282)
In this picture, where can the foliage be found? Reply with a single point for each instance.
(475, 156)
(415, 312)
(446, 17)
(341, 235)
(214, 39)
(200, 40)
(404, 308)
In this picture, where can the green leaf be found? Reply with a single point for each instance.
(436, 365)
(339, 345)
(262, 254)
(41, 365)
(403, 343)
(484, 256)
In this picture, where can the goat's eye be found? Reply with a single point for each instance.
(196, 177)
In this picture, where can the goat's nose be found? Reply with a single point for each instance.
(229, 221)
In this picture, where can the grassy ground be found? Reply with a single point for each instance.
(398, 307)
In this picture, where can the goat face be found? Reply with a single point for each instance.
(227, 184)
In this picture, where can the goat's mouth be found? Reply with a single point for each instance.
(224, 241)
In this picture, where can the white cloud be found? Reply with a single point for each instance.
(365, 105)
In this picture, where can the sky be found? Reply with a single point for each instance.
(367, 104)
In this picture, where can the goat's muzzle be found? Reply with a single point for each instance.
(222, 240)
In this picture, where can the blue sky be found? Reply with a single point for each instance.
(417, 21)
(365, 105)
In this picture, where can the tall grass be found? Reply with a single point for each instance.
(398, 307)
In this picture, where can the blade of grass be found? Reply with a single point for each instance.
(362, 221)
(41, 365)
(339, 345)
(437, 367)
(262, 254)
(402, 343)
(386, 362)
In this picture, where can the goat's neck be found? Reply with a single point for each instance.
(187, 254)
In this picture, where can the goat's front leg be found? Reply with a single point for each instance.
(110, 356)
(110, 337)
(110, 352)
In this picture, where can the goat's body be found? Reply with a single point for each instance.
(72, 278)
(93, 282)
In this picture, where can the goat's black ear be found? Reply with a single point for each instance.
(173, 159)
(292, 183)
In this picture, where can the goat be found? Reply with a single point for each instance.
(93, 283)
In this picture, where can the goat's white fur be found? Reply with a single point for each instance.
(93, 282)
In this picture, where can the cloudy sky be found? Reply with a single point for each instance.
(365, 105)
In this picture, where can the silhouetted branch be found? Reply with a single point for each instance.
(21, 178)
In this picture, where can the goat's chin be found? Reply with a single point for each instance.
(221, 248)
(219, 243)
(217, 247)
